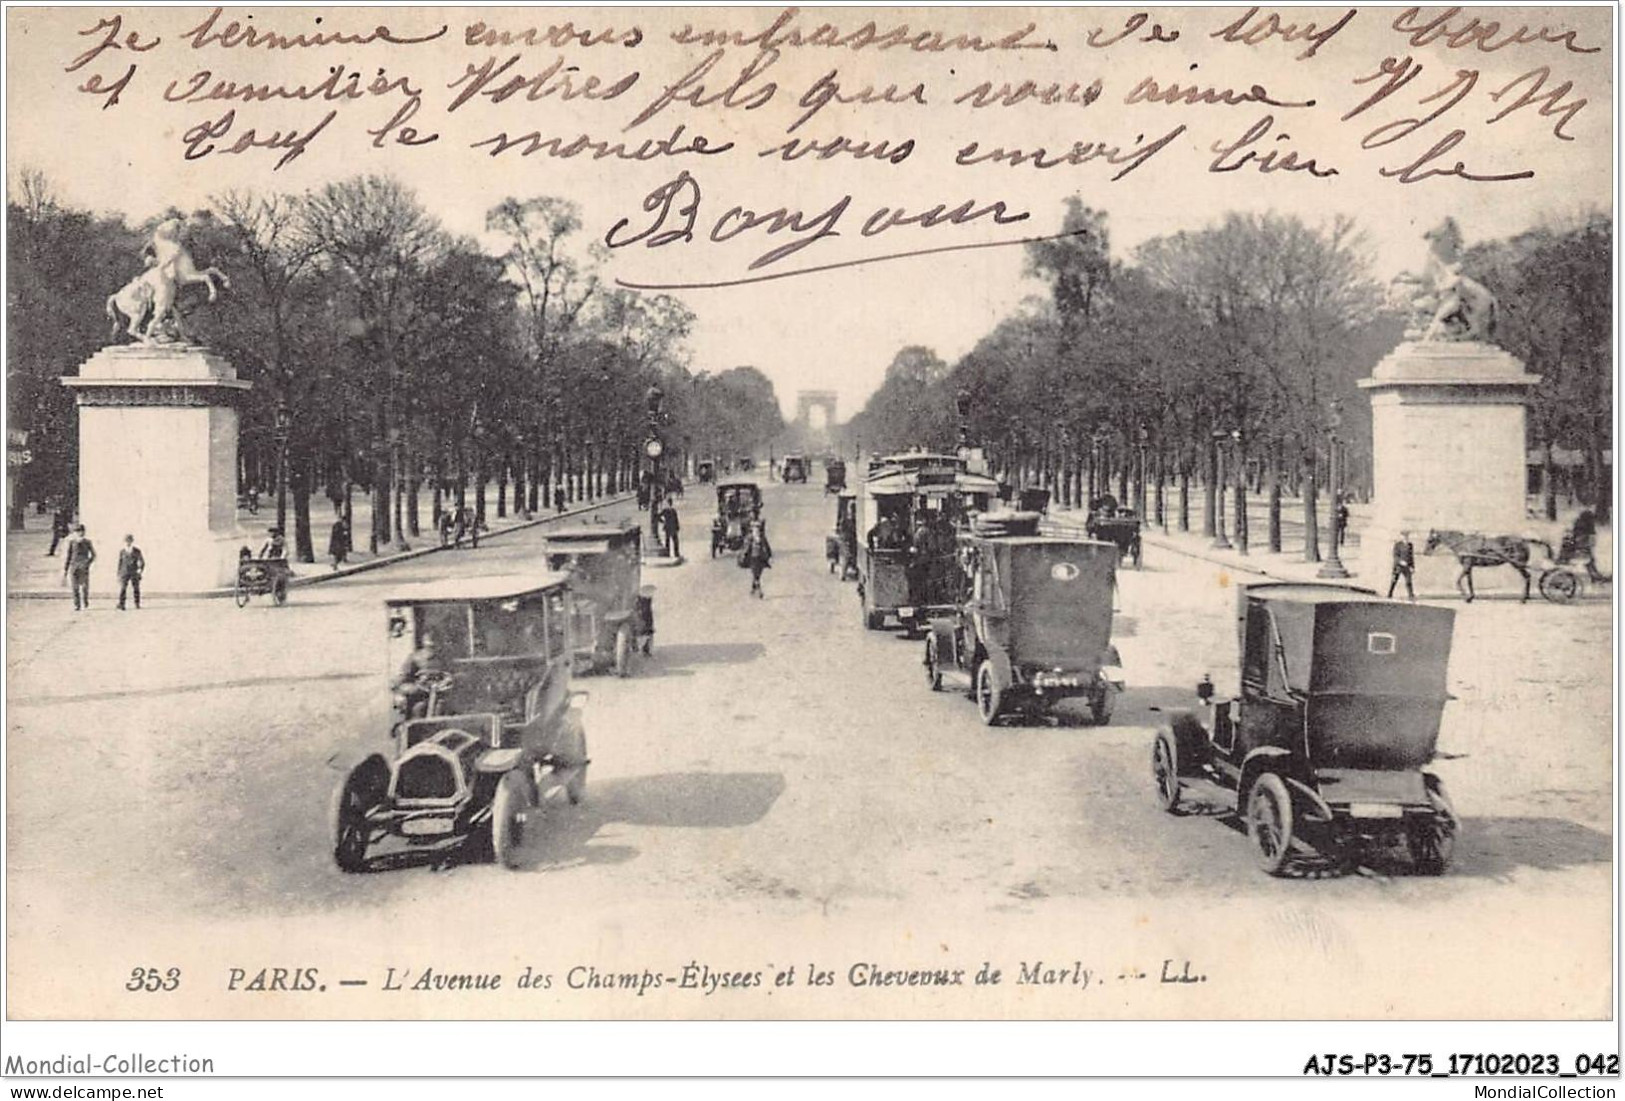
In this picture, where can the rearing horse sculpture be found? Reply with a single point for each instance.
(151, 296)
(1473, 551)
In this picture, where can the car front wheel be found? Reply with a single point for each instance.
(989, 696)
(1165, 771)
(1269, 822)
(513, 801)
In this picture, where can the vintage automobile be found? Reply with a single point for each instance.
(1034, 624)
(744, 463)
(1341, 697)
(614, 611)
(841, 544)
(736, 501)
(834, 475)
(261, 577)
(897, 579)
(705, 471)
(1116, 525)
(487, 728)
(795, 468)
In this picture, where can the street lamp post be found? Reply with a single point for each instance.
(1333, 567)
(283, 422)
(1144, 435)
(1221, 539)
(654, 447)
(1239, 461)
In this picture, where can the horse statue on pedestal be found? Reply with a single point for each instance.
(148, 301)
(1446, 305)
(1474, 551)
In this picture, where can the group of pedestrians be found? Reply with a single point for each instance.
(457, 524)
(79, 555)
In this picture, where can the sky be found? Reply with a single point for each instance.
(840, 328)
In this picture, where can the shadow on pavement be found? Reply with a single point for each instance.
(678, 660)
(674, 800)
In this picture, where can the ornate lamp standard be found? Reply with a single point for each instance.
(654, 447)
(1221, 539)
(284, 422)
(1238, 460)
(962, 401)
(1333, 568)
(1144, 435)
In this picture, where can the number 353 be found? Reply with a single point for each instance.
(150, 980)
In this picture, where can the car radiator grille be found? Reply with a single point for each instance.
(427, 776)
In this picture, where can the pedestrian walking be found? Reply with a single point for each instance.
(1404, 566)
(76, 562)
(338, 543)
(60, 524)
(671, 526)
(1342, 518)
(459, 527)
(443, 527)
(131, 565)
(758, 555)
(558, 497)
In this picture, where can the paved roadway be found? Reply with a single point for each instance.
(777, 779)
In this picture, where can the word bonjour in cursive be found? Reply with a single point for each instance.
(676, 210)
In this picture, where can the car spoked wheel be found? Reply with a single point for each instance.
(1431, 839)
(989, 697)
(1269, 822)
(351, 834)
(1102, 704)
(509, 812)
(1165, 771)
(933, 672)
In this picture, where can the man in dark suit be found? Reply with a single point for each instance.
(670, 525)
(1404, 565)
(76, 566)
(131, 565)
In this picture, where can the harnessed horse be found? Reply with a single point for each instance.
(1474, 551)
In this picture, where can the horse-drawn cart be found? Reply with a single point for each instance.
(1557, 576)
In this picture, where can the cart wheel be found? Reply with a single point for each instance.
(1102, 704)
(359, 792)
(514, 799)
(623, 651)
(1559, 586)
(1165, 771)
(933, 673)
(989, 697)
(1269, 822)
(240, 594)
(279, 593)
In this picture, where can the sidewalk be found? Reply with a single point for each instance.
(32, 575)
(1435, 575)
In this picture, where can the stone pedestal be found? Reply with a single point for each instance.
(158, 460)
(1449, 448)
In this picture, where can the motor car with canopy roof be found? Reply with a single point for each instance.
(1034, 623)
(614, 610)
(736, 503)
(1326, 744)
(487, 724)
